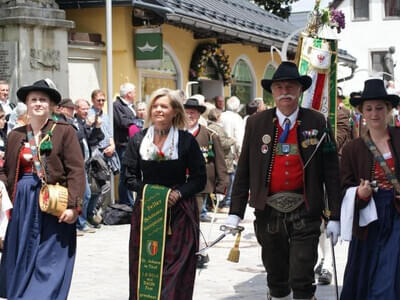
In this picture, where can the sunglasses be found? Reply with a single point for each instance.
(101, 100)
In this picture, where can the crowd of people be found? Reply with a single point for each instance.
(305, 183)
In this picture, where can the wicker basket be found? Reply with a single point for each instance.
(53, 199)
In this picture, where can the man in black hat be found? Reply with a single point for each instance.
(210, 146)
(285, 168)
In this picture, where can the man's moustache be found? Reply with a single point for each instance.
(292, 97)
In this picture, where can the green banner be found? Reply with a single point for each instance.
(148, 47)
(154, 206)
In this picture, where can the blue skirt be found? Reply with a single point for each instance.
(373, 265)
(39, 253)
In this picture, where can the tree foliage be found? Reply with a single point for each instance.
(280, 8)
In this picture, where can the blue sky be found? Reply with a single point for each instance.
(307, 5)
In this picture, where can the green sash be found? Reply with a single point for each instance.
(154, 206)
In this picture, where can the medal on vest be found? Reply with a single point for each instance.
(285, 148)
(264, 149)
(266, 139)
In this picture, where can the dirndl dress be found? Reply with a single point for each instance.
(39, 252)
(373, 265)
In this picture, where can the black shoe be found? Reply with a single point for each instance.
(205, 219)
(318, 269)
(202, 260)
(325, 277)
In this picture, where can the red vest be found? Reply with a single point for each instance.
(287, 170)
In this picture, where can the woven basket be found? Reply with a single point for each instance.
(53, 199)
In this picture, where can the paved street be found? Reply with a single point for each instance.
(101, 269)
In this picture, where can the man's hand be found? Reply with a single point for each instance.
(109, 151)
(68, 216)
(333, 231)
(232, 221)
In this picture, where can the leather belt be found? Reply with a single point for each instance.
(285, 202)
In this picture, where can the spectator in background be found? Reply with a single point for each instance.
(210, 146)
(106, 148)
(219, 103)
(233, 125)
(260, 104)
(4, 100)
(124, 118)
(18, 117)
(214, 124)
(141, 110)
(89, 135)
(3, 139)
(251, 108)
(66, 109)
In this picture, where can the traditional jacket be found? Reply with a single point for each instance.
(64, 162)
(210, 146)
(358, 162)
(258, 151)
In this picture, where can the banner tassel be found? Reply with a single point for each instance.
(234, 254)
(169, 232)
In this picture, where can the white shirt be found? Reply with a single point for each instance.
(234, 127)
(282, 117)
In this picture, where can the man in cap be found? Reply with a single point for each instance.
(286, 182)
(210, 146)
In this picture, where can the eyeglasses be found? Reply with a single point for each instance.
(101, 100)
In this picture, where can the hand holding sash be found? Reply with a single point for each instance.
(173, 198)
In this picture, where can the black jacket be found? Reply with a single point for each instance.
(123, 118)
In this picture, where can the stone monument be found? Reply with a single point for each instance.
(33, 43)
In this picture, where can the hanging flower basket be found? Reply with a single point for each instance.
(213, 54)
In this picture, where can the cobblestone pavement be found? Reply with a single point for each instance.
(101, 268)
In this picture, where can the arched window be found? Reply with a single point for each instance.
(267, 97)
(242, 82)
(166, 76)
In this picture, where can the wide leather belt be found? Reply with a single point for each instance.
(285, 201)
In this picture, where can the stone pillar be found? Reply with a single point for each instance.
(33, 43)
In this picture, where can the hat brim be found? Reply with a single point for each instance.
(304, 80)
(199, 108)
(53, 94)
(393, 99)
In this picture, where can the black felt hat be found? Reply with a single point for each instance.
(42, 86)
(374, 89)
(194, 103)
(287, 71)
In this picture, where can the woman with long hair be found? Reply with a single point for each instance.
(164, 154)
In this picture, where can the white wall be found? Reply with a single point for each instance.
(359, 38)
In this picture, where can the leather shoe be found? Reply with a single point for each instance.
(202, 260)
(325, 277)
(205, 219)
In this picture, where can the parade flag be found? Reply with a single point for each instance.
(154, 206)
(318, 59)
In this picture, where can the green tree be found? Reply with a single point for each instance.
(280, 8)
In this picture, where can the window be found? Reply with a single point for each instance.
(267, 97)
(377, 61)
(163, 77)
(392, 8)
(242, 82)
(361, 9)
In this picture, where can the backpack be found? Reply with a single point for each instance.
(116, 214)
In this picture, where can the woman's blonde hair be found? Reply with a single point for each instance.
(180, 119)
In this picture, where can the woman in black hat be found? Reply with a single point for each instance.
(39, 248)
(373, 265)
